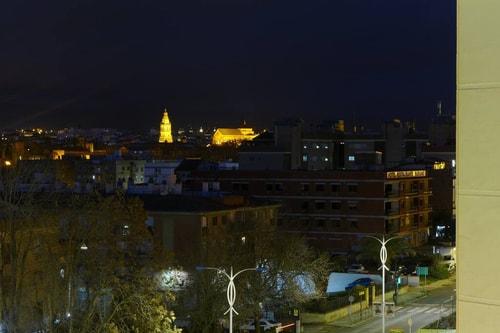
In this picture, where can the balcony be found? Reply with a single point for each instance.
(390, 212)
(425, 208)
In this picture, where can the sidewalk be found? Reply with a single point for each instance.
(355, 318)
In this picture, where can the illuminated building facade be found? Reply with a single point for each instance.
(165, 129)
(232, 135)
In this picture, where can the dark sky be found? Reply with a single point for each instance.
(96, 63)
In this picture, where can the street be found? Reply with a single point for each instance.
(439, 303)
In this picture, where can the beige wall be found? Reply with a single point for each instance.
(478, 182)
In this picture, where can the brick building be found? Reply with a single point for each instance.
(334, 209)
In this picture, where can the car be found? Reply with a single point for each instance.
(356, 268)
(265, 324)
(364, 282)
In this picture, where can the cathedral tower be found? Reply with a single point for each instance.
(165, 129)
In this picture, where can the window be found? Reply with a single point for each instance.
(335, 187)
(223, 219)
(320, 205)
(304, 187)
(274, 187)
(305, 205)
(353, 205)
(240, 186)
(305, 158)
(320, 222)
(214, 220)
(336, 205)
(125, 230)
(351, 158)
(336, 223)
(353, 223)
(352, 188)
(320, 187)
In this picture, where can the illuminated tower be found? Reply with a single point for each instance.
(165, 129)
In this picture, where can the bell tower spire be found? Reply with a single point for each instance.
(165, 129)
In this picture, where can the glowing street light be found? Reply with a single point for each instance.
(231, 289)
(383, 259)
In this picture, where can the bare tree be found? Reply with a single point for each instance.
(76, 263)
(22, 220)
(111, 263)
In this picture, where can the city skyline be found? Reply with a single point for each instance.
(119, 64)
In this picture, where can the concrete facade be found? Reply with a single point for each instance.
(478, 185)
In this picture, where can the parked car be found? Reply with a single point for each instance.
(356, 268)
(364, 282)
(265, 324)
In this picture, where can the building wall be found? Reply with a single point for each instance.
(478, 184)
(333, 209)
(182, 233)
(249, 160)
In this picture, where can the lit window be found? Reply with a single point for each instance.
(125, 230)
(351, 158)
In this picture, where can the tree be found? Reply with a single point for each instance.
(295, 274)
(110, 259)
(22, 221)
(75, 262)
(398, 247)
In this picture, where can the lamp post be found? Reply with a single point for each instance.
(383, 259)
(231, 288)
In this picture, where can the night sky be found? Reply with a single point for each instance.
(96, 63)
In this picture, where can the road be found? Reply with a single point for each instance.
(438, 303)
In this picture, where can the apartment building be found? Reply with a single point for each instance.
(182, 223)
(334, 209)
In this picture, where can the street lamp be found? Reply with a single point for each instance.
(383, 258)
(231, 289)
